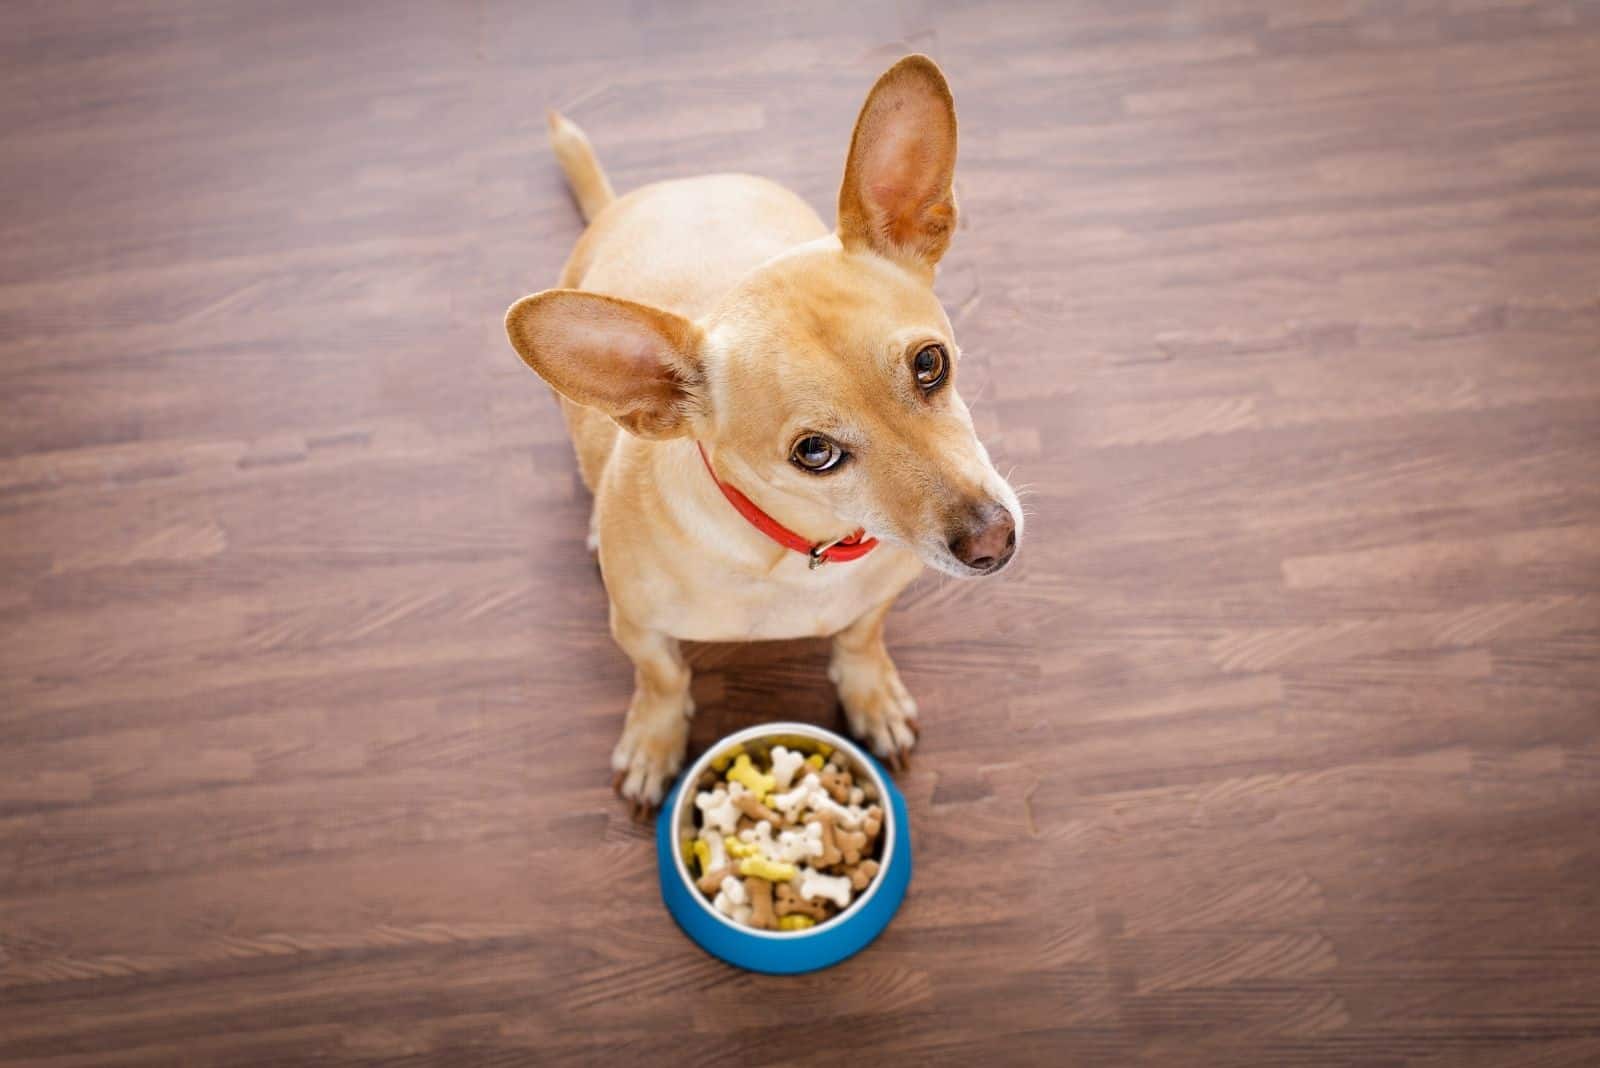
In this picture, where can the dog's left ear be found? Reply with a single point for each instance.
(898, 197)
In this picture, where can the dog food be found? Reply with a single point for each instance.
(783, 841)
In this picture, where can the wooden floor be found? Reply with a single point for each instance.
(1279, 745)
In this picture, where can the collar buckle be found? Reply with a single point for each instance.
(818, 552)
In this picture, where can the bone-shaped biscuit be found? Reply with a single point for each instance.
(790, 903)
(770, 870)
(851, 844)
(792, 800)
(717, 810)
(759, 834)
(752, 807)
(785, 762)
(749, 776)
(709, 850)
(838, 784)
(795, 846)
(711, 881)
(872, 821)
(826, 831)
(759, 891)
(732, 901)
(847, 816)
(862, 874)
(814, 884)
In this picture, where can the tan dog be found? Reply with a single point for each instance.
(816, 373)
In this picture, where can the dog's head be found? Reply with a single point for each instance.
(828, 375)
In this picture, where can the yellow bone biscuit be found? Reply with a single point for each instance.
(771, 870)
(795, 922)
(721, 761)
(815, 760)
(739, 850)
(745, 773)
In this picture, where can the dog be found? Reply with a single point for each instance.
(766, 414)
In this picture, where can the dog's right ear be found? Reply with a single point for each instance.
(639, 365)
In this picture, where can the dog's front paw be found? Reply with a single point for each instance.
(880, 710)
(650, 752)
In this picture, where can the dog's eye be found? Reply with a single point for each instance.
(816, 454)
(931, 365)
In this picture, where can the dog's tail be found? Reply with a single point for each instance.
(576, 155)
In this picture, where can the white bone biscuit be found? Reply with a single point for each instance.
(835, 888)
(795, 846)
(732, 901)
(790, 801)
(760, 836)
(785, 762)
(717, 851)
(717, 810)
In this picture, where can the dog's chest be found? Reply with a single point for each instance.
(794, 601)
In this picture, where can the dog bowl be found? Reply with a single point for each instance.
(785, 952)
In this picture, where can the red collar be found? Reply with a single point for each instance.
(837, 551)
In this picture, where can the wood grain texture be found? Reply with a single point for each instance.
(1280, 743)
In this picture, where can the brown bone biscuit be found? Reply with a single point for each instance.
(711, 881)
(761, 914)
(830, 843)
(838, 784)
(872, 822)
(851, 844)
(862, 874)
(752, 807)
(790, 902)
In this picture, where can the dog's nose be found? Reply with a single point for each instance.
(989, 543)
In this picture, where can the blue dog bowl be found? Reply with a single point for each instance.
(785, 952)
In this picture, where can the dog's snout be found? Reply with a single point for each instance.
(988, 541)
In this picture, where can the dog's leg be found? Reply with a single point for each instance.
(656, 733)
(880, 711)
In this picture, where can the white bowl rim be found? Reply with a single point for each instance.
(686, 793)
